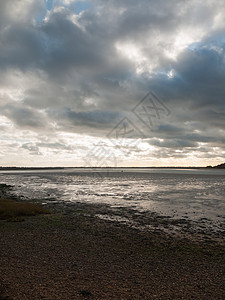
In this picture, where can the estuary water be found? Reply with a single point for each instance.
(196, 195)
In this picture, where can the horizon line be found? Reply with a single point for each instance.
(126, 167)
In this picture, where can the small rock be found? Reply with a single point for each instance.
(86, 293)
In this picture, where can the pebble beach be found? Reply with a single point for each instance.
(72, 254)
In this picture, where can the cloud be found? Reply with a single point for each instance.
(73, 70)
(21, 116)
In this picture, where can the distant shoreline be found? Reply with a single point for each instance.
(65, 168)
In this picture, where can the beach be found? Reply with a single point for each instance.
(72, 254)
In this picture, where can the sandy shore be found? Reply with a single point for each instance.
(71, 254)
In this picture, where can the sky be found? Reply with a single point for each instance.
(112, 83)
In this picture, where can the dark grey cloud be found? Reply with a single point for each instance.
(88, 119)
(22, 116)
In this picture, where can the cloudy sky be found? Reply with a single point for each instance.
(112, 82)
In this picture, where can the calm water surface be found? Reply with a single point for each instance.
(192, 194)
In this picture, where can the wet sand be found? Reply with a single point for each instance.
(71, 254)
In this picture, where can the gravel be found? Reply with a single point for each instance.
(76, 256)
(73, 254)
